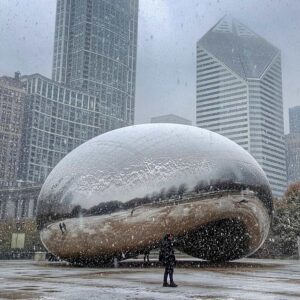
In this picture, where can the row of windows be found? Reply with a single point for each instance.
(261, 101)
(221, 87)
(223, 74)
(208, 125)
(221, 106)
(266, 139)
(219, 103)
(219, 81)
(114, 104)
(229, 112)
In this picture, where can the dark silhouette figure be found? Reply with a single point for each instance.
(61, 228)
(167, 257)
(146, 255)
(64, 227)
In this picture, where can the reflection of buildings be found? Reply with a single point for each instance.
(11, 114)
(159, 178)
(171, 119)
(293, 145)
(239, 94)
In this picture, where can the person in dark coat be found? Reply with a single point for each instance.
(61, 228)
(167, 257)
(146, 255)
(64, 227)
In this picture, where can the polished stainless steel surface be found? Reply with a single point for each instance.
(120, 192)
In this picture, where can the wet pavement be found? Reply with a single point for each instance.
(245, 279)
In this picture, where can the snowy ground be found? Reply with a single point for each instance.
(246, 279)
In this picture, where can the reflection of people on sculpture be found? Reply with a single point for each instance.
(167, 257)
(146, 255)
(64, 227)
(61, 228)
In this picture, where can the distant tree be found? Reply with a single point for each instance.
(155, 196)
(172, 191)
(182, 189)
(286, 223)
(76, 211)
(162, 194)
(292, 194)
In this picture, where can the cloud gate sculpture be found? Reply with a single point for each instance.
(119, 193)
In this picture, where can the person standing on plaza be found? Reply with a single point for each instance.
(167, 257)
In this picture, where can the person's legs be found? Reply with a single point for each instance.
(171, 270)
(172, 283)
(166, 276)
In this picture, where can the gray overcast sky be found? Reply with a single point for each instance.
(168, 32)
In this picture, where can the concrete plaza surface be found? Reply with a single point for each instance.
(244, 279)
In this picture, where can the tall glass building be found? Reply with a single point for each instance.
(239, 94)
(95, 49)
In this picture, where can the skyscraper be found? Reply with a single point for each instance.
(239, 94)
(93, 86)
(292, 141)
(294, 116)
(12, 97)
(95, 50)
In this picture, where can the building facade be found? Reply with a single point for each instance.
(12, 97)
(57, 119)
(292, 142)
(294, 116)
(19, 201)
(239, 94)
(171, 119)
(95, 49)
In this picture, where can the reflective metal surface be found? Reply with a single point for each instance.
(120, 192)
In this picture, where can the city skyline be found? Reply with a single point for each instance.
(92, 88)
(169, 77)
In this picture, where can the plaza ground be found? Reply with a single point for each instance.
(244, 279)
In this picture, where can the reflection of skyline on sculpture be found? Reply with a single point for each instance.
(114, 163)
(156, 177)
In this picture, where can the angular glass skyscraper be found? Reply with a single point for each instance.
(95, 50)
(239, 94)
